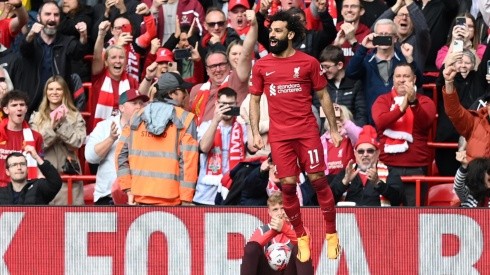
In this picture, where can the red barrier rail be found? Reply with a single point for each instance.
(406, 179)
(430, 180)
(445, 145)
(69, 181)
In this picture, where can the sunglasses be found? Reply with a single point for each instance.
(2, 79)
(213, 24)
(370, 151)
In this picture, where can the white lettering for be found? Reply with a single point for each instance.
(431, 229)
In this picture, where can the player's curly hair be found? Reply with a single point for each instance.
(293, 24)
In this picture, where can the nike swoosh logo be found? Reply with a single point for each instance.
(314, 166)
(269, 73)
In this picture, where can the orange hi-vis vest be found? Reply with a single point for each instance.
(159, 170)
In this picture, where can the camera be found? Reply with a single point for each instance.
(234, 111)
(182, 54)
(383, 40)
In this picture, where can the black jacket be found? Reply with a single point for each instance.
(25, 69)
(350, 94)
(368, 195)
(37, 191)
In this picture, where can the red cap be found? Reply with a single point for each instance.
(164, 55)
(368, 135)
(130, 95)
(233, 3)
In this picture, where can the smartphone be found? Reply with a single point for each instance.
(383, 41)
(234, 111)
(182, 54)
(461, 21)
(126, 28)
(172, 67)
(488, 67)
(337, 111)
(458, 46)
(58, 112)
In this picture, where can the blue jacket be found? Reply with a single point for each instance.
(363, 66)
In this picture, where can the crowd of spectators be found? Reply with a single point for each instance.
(100, 83)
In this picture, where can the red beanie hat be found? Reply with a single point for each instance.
(368, 135)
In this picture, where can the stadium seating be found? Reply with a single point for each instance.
(88, 193)
(443, 195)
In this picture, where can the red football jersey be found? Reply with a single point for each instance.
(288, 83)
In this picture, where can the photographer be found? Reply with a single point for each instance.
(222, 143)
(375, 60)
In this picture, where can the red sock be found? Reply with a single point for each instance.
(291, 206)
(326, 201)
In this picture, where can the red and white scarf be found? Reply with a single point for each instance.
(401, 131)
(105, 102)
(236, 150)
(28, 140)
(202, 97)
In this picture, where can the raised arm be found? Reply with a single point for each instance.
(245, 60)
(98, 61)
(20, 18)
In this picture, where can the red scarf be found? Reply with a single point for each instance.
(236, 150)
(201, 100)
(105, 101)
(401, 131)
(207, 37)
(28, 140)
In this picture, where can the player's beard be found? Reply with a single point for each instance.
(281, 46)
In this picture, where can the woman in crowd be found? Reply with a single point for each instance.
(465, 33)
(337, 158)
(472, 181)
(471, 84)
(63, 130)
(233, 52)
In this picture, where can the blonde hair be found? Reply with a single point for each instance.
(345, 113)
(42, 117)
(113, 47)
(274, 198)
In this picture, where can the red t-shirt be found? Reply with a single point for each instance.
(15, 143)
(6, 37)
(288, 83)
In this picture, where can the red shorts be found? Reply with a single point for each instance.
(296, 155)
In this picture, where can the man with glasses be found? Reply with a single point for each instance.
(20, 190)
(403, 119)
(218, 35)
(412, 29)
(351, 31)
(362, 181)
(203, 96)
(222, 142)
(343, 90)
(374, 64)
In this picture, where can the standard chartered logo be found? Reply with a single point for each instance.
(272, 89)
